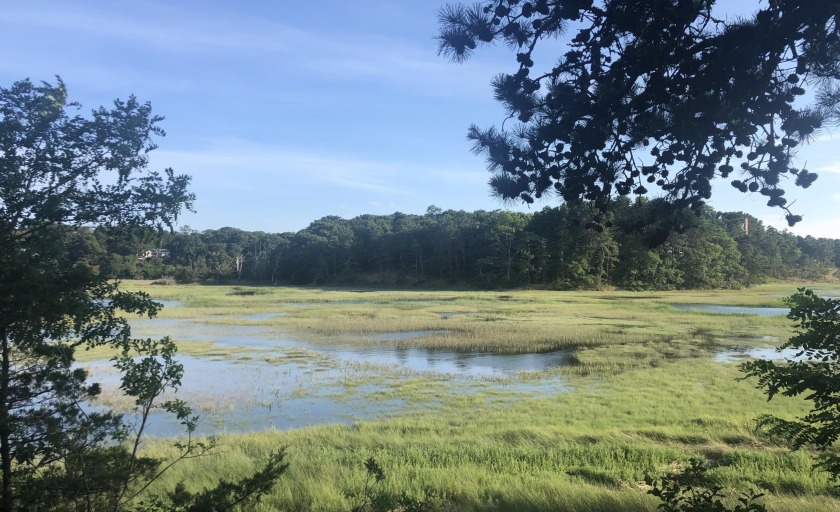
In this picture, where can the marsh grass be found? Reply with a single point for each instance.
(642, 395)
(573, 451)
(197, 348)
(604, 332)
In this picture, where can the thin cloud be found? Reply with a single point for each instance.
(832, 168)
(172, 30)
(825, 137)
(232, 160)
(167, 28)
(255, 168)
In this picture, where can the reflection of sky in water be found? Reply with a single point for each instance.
(262, 316)
(450, 362)
(733, 310)
(289, 384)
(253, 395)
(441, 361)
(169, 303)
(742, 354)
(450, 314)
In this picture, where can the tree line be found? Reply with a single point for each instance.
(635, 244)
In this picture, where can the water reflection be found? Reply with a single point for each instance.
(404, 335)
(254, 395)
(263, 316)
(441, 361)
(169, 303)
(739, 354)
(449, 314)
(288, 383)
(732, 310)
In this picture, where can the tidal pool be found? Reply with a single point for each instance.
(448, 362)
(245, 395)
(169, 303)
(732, 310)
(263, 316)
(739, 354)
(275, 382)
(422, 360)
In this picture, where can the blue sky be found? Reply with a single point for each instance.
(285, 112)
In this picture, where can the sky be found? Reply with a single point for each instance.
(286, 112)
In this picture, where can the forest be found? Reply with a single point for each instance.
(634, 245)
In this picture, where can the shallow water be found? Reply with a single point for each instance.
(261, 394)
(284, 383)
(448, 362)
(438, 361)
(404, 335)
(169, 303)
(740, 354)
(263, 316)
(327, 303)
(271, 381)
(450, 314)
(732, 310)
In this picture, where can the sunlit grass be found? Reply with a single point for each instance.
(510, 322)
(573, 451)
(642, 395)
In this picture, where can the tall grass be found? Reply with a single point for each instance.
(527, 321)
(585, 450)
(642, 396)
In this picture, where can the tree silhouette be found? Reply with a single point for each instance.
(651, 95)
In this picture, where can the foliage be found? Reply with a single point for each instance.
(814, 372)
(373, 499)
(370, 498)
(555, 247)
(62, 174)
(95, 465)
(241, 495)
(663, 93)
(690, 491)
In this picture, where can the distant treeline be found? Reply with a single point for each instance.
(635, 245)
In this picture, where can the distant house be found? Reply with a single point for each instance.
(153, 254)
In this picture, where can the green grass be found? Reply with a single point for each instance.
(574, 451)
(527, 321)
(642, 396)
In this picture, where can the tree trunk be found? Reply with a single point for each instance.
(7, 499)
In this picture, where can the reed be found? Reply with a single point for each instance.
(643, 395)
(573, 451)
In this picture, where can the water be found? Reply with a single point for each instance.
(448, 362)
(422, 360)
(732, 310)
(271, 381)
(450, 314)
(169, 303)
(263, 316)
(744, 353)
(279, 383)
(404, 335)
(328, 303)
(254, 395)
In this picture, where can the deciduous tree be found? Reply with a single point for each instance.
(60, 174)
(814, 373)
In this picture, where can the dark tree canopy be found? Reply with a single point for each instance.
(814, 373)
(61, 168)
(61, 173)
(648, 94)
